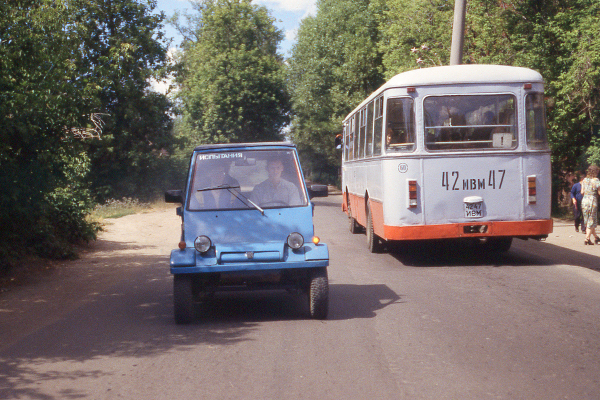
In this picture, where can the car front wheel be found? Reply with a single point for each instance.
(183, 299)
(318, 294)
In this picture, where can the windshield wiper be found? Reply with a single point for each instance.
(237, 195)
(217, 188)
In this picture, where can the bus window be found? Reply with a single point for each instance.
(470, 122)
(362, 134)
(351, 140)
(400, 126)
(369, 150)
(378, 126)
(536, 122)
(345, 143)
(356, 137)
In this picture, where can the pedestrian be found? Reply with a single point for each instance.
(590, 188)
(576, 197)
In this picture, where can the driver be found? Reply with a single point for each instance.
(276, 190)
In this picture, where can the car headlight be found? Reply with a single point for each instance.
(295, 240)
(202, 244)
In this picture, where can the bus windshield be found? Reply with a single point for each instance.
(470, 122)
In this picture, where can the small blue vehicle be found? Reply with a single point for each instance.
(247, 225)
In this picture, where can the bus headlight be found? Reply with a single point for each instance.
(202, 243)
(295, 240)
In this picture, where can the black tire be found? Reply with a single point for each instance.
(354, 226)
(373, 242)
(183, 299)
(499, 245)
(318, 294)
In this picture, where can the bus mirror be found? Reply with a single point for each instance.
(174, 196)
(315, 190)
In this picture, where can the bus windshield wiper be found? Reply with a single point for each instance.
(237, 195)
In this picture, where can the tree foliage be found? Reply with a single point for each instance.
(231, 76)
(42, 99)
(62, 62)
(122, 48)
(334, 65)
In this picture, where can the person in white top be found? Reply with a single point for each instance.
(275, 190)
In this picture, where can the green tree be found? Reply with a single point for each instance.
(122, 48)
(414, 34)
(230, 75)
(43, 103)
(334, 65)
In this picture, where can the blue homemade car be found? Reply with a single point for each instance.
(247, 224)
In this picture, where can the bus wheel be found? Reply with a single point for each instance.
(499, 245)
(183, 299)
(318, 293)
(373, 242)
(354, 226)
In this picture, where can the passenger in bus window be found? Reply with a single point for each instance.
(275, 190)
(395, 136)
(481, 134)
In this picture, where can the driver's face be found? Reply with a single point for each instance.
(275, 168)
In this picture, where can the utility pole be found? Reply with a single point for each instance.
(458, 32)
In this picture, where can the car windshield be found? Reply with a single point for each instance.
(246, 179)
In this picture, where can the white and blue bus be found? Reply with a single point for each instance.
(450, 152)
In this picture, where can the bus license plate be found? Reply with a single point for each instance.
(473, 210)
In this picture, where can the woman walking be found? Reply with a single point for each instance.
(590, 188)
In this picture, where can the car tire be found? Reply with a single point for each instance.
(183, 299)
(318, 294)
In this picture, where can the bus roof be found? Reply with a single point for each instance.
(468, 73)
(458, 74)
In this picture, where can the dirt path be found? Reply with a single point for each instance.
(127, 245)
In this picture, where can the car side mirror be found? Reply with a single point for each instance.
(174, 196)
(316, 190)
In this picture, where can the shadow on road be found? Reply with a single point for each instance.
(449, 253)
(359, 301)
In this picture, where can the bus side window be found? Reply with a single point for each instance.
(377, 132)
(351, 140)
(356, 137)
(362, 133)
(369, 149)
(536, 121)
(400, 122)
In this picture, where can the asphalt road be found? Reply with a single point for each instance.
(432, 321)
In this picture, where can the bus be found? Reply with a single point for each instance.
(449, 152)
